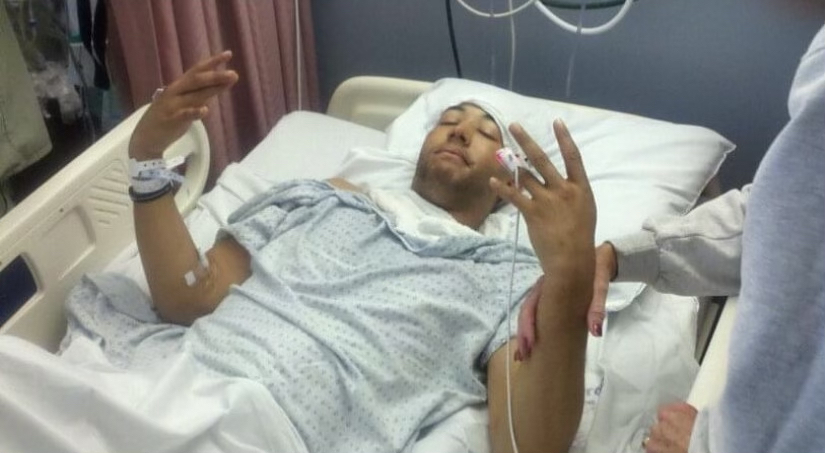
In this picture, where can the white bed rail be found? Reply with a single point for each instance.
(79, 220)
(374, 101)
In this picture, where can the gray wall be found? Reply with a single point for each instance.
(724, 64)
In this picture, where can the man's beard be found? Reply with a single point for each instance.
(444, 187)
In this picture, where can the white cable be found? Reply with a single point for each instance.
(512, 47)
(589, 30)
(492, 15)
(572, 62)
(298, 56)
(508, 357)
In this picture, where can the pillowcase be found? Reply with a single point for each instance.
(638, 167)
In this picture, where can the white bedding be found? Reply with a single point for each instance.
(80, 403)
(645, 359)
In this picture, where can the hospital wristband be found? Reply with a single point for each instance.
(143, 197)
(155, 169)
(152, 178)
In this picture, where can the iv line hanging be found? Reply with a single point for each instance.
(553, 17)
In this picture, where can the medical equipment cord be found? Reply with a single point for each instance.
(579, 30)
(512, 49)
(508, 357)
(299, 57)
(607, 26)
(492, 15)
(571, 64)
(453, 42)
(574, 5)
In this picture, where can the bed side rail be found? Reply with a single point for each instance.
(374, 101)
(709, 383)
(78, 221)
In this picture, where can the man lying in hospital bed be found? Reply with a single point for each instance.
(330, 357)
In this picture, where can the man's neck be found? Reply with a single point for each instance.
(470, 214)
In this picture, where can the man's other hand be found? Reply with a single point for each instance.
(177, 106)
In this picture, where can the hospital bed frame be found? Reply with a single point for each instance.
(81, 219)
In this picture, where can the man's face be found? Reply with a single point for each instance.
(459, 152)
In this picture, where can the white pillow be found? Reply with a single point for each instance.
(638, 167)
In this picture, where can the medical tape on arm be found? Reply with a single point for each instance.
(201, 271)
(154, 175)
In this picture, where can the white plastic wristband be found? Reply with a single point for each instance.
(152, 175)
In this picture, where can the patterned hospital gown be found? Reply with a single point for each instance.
(363, 334)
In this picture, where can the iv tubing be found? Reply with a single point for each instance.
(491, 15)
(589, 30)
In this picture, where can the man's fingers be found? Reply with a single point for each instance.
(510, 194)
(570, 153)
(538, 158)
(212, 62)
(209, 79)
(190, 79)
(200, 97)
(193, 113)
(528, 181)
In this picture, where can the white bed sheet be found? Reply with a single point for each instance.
(80, 403)
(644, 360)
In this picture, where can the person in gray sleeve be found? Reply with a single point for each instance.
(766, 243)
(772, 401)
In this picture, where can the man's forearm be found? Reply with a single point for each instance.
(168, 253)
(548, 389)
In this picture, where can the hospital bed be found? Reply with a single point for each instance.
(80, 221)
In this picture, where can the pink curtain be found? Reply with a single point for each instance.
(155, 41)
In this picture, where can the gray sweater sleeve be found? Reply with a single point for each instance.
(697, 254)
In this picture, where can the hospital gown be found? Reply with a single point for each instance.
(364, 334)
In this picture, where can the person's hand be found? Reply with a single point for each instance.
(560, 214)
(672, 431)
(526, 333)
(184, 101)
(605, 271)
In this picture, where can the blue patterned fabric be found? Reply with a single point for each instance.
(363, 334)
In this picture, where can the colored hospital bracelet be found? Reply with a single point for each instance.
(150, 196)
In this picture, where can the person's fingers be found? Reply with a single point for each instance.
(183, 84)
(200, 97)
(192, 113)
(595, 321)
(538, 158)
(211, 62)
(527, 321)
(208, 79)
(671, 433)
(653, 444)
(601, 283)
(511, 194)
(573, 162)
(529, 182)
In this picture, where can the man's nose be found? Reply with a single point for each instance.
(461, 131)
